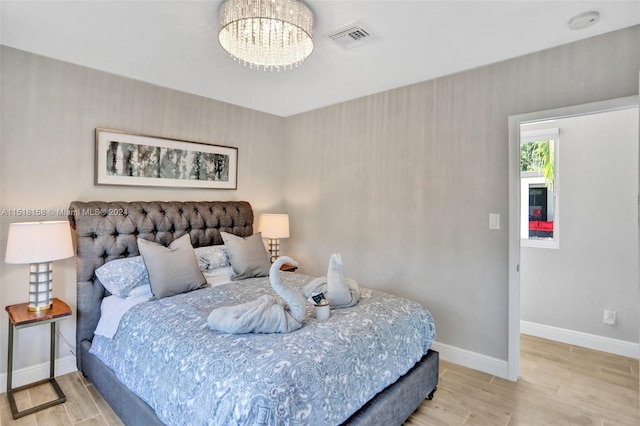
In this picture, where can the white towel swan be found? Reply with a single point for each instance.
(267, 314)
(340, 291)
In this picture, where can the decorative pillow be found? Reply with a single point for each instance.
(172, 270)
(212, 257)
(120, 276)
(249, 258)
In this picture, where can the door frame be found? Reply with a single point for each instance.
(513, 350)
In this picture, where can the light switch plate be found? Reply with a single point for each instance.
(494, 221)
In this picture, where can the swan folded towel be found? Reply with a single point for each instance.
(267, 314)
(340, 291)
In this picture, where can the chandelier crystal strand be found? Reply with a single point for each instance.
(268, 34)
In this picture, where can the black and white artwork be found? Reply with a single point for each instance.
(126, 159)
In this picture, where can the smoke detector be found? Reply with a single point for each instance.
(584, 20)
(350, 36)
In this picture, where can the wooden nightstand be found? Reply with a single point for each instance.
(20, 317)
(288, 268)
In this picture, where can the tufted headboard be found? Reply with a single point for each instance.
(105, 231)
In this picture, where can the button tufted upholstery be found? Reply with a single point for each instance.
(105, 231)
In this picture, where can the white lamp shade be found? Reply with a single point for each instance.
(36, 242)
(274, 226)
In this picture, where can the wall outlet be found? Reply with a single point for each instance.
(609, 317)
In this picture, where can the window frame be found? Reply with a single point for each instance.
(526, 136)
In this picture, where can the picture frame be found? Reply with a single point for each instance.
(140, 160)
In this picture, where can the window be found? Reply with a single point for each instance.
(539, 188)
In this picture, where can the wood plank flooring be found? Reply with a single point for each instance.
(84, 405)
(559, 385)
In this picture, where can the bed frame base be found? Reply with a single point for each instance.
(397, 401)
(433, 392)
(132, 410)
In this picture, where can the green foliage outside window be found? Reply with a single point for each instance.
(538, 157)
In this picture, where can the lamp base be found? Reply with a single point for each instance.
(39, 308)
(40, 277)
(274, 249)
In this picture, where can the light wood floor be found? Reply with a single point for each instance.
(559, 385)
(84, 405)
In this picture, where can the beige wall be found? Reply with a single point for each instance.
(49, 112)
(402, 182)
(596, 266)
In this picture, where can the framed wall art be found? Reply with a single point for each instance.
(139, 160)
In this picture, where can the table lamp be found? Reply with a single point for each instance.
(39, 244)
(274, 227)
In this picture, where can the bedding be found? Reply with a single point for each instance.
(218, 276)
(128, 276)
(113, 308)
(106, 231)
(318, 375)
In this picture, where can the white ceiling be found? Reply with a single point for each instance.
(174, 43)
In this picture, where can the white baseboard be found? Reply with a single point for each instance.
(577, 338)
(474, 360)
(37, 372)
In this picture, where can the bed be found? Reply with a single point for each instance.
(107, 231)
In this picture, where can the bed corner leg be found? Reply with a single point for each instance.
(430, 396)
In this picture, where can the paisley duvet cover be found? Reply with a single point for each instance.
(318, 375)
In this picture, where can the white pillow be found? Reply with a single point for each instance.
(218, 276)
(120, 276)
(142, 290)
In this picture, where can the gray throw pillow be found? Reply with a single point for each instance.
(172, 270)
(249, 258)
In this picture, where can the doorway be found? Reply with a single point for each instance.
(534, 122)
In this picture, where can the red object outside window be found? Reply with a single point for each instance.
(539, 225)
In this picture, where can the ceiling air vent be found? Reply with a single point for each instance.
(350, 36)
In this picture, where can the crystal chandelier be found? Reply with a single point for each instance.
(268, 34)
